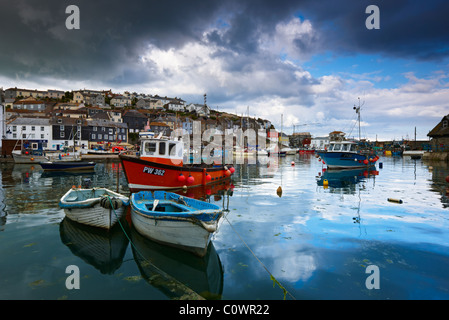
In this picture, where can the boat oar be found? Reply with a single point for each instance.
(155, 204)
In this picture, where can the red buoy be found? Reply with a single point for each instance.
(365, 161)
(232, 169)
(190, 180)
(227, 173)
(208, 177)
(181, 178)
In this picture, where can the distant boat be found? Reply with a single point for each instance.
(346, 154)
(97, 207)
(21, 156)
(174, 220)
(67, 165)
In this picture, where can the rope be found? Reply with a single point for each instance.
(275, 281)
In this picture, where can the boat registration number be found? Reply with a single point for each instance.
(158, 172)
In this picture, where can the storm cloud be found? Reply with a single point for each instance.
(247, 52)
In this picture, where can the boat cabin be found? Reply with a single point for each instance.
(162, 150)
(342, 146)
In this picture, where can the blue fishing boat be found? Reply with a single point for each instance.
(346, 154)
(67, 165)
(174, 220)
(343, 154)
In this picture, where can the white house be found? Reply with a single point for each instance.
(319, 143)
(35, 130)
(200, 109)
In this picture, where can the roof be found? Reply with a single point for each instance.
(438, 130)
(30, 121)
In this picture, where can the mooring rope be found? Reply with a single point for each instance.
(275, 281)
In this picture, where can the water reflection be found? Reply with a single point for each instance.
(176, 273)
(103, 249)
(346, 178)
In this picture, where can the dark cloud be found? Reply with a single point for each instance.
(114, 34)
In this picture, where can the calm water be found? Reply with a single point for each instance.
(316, 241)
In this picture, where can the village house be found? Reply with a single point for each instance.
(440, 135)
(105, 132)
(36, 131)
(87, 97)
(30, 103)
(135, 120)
(158, 127)
(13, 93)
(120, 101)
(200, 109)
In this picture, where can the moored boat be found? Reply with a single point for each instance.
(174, 220)
(346, 154)
(160, 166)
(67, 165)
(98, 207)
(20, 156)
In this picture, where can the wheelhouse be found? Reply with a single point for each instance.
(162, 151)
(342, 146)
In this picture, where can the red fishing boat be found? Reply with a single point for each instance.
(160, 166)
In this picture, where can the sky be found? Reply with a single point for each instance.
(304, 63)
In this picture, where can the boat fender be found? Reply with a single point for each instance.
(105, 202)
(325, 182)
(394, 200)
(210, 227)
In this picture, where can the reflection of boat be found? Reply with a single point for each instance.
(345, 177)
(176, 273)
(98, 207)
(67, 165)
(174, 220)
(160, 166)
(100, 248)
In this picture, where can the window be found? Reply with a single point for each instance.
(14, 128)
(150, 147)
(24, 128)
(111, 131)
(14, 135)
(172, 149)
(344, 147)
(61, 128)
(42, 129)
(94, 136)
(59, 120)
(162, 148)
(100, 136)
(62, 134)
(337, 147)
(445, 123)
(94, 129)
(33, 128)
(42, 136)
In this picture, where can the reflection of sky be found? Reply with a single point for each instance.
(308, 232)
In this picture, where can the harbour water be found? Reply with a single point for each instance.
(311, 242)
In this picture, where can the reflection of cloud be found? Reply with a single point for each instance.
(291, 263)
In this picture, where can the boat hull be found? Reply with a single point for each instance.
(343, 160)
(19, 158)
(67, 165)
(190, 229)
(89, 211)
(148, 175)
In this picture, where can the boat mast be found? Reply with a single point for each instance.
(357, 110)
